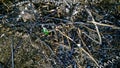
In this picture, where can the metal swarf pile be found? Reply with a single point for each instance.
(59, 34)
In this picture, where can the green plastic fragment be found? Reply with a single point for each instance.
(45, 31)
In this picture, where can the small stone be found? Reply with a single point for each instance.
(27, 16)
(79, 45)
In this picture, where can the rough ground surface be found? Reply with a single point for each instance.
(60, 34)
